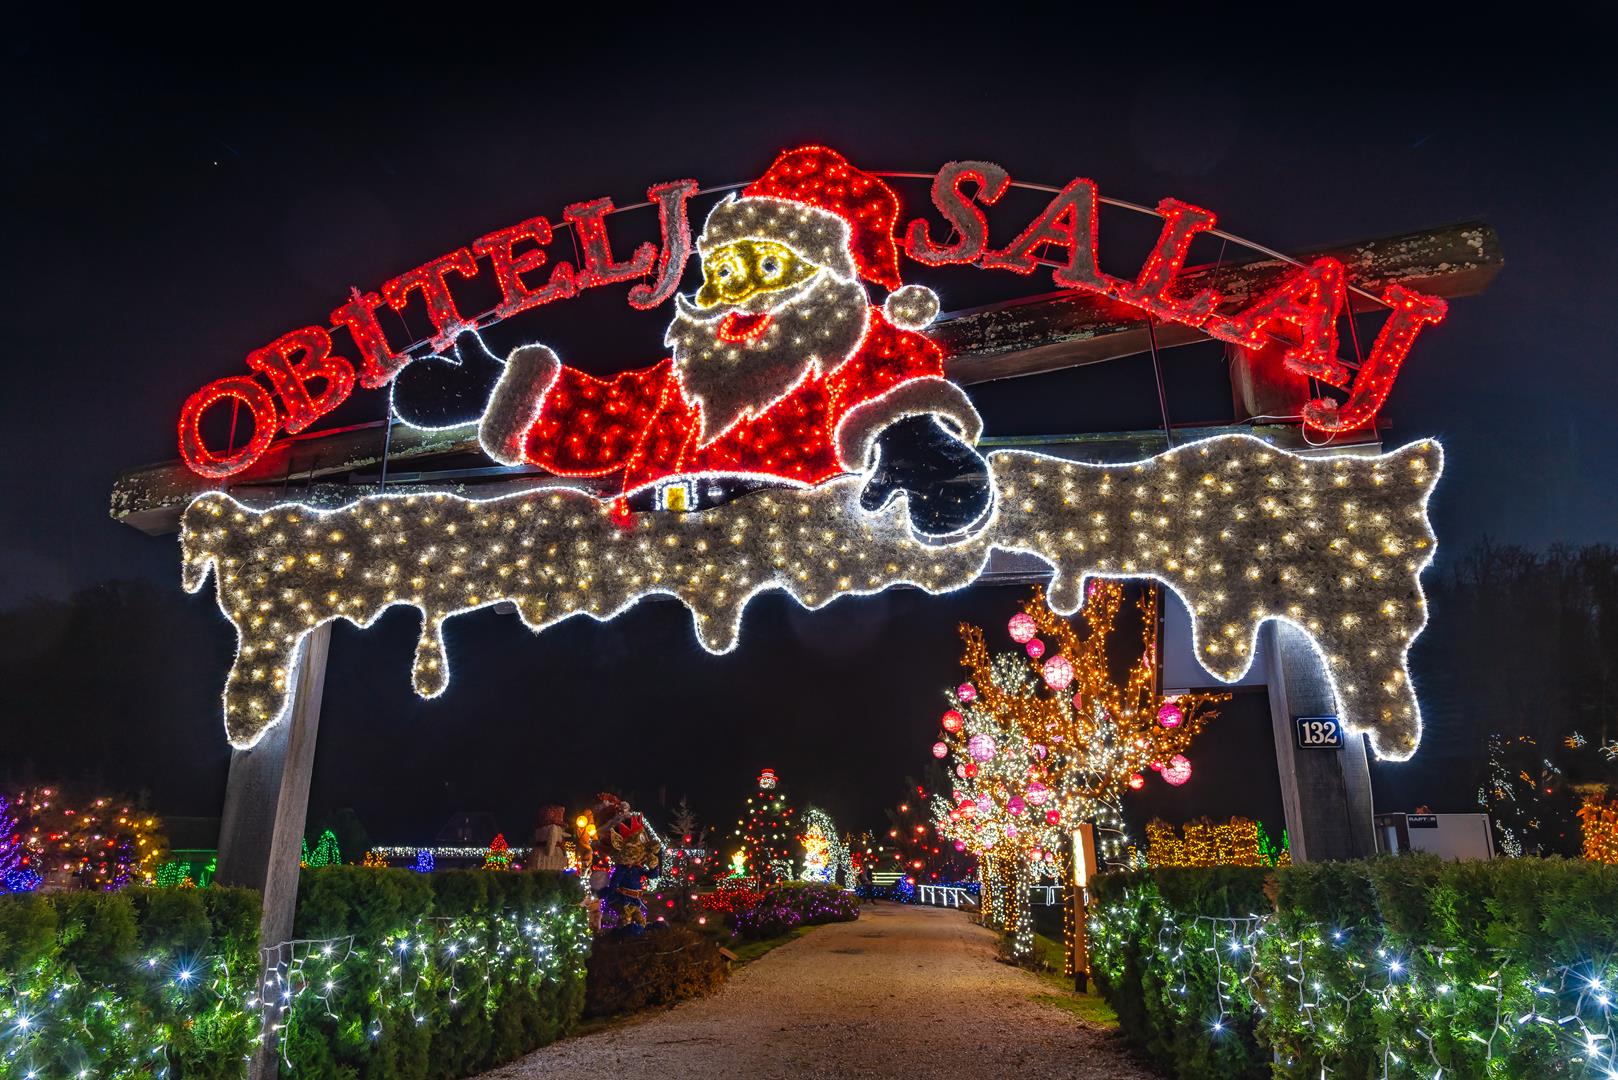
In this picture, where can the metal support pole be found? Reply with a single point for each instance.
(266, 806)
(1325, 794)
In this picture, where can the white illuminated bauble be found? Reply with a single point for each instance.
(1021, 627)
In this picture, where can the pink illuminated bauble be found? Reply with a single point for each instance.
(1078, 702)
(1058, 673)
(1036, 648)
(981, 747)
(1021, 626)
(1170, 715)
(939, 750)
(1052, 817)
(971, 770)
(960, 845)
(1038, 794)
(1016, 805)
(1136, 782)
(984, 805)
(969, 808)
(1039, 751)
(952, 721)
(1011, 831)
(967, 692)
(1178, 770)
(960, 770)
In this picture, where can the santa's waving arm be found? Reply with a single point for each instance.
(565, 420)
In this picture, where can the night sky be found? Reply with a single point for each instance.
(174, 202)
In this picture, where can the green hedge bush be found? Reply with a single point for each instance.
(1388, 967)
(445, 975)
(660, 967)
(128, 983)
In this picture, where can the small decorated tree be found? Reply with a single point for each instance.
(326, 852)
(498, 857)
(766, 832)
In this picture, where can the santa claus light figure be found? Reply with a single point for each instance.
(782, 371)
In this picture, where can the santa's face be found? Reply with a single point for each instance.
(764, 319)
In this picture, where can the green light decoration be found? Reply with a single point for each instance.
(326, 852)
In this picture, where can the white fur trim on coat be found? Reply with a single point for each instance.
(514, 405)
(931, 394)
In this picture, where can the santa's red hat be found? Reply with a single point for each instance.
(819, 176)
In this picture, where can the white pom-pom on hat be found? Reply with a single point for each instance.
(911, 307)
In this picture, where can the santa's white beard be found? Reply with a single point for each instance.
(816, 331)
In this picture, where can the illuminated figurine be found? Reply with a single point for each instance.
(627, 855)
(550, 840)
(782, 371)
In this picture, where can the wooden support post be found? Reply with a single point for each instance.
(266, 805)
(1083, 868)
(1325, 794)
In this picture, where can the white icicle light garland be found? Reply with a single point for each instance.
(1241, 531)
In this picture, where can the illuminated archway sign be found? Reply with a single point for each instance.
(801, 438)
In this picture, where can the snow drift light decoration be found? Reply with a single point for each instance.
(1243, 532)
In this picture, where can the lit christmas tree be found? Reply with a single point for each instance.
(766, 832)
(498, 856)
(326, 852)
(425, 862)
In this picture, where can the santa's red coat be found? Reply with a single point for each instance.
(640, 425)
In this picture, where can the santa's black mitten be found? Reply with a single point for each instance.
(449, 388)
(945, 481)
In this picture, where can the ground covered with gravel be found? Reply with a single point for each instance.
(910, 992)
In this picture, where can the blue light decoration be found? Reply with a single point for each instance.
(20, 880)
(424, 862)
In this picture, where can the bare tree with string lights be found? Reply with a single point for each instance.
(1046, 739)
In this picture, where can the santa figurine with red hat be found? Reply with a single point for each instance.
(781, 370)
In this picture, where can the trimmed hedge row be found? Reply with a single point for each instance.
(1394, 966)
(450, 973)
(126, 983)
(657, 968)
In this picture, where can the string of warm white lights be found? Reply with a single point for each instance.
(1243, 532)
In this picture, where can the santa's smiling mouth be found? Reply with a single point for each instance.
(739, 326)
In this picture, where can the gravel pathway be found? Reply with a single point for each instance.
(911, 992)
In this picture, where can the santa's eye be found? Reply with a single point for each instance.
(771, 266)
(724, 271)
